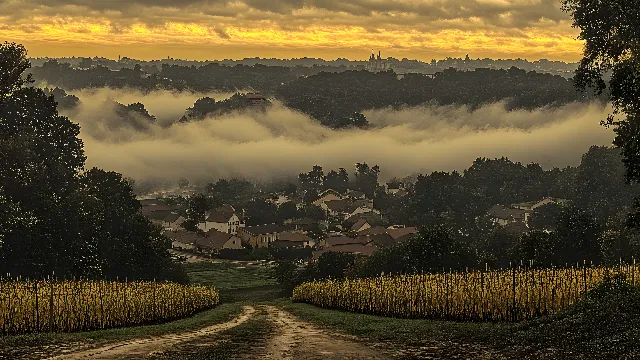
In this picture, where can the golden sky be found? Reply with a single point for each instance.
(219, 29)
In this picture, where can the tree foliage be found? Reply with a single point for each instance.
(56, 217)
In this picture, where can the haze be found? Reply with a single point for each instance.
(284, 142)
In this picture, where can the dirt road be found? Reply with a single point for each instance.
(139, 348)
(293, 339)
(299, 340)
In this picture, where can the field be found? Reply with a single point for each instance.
(258, 321)
(66, 306)
(507, 295)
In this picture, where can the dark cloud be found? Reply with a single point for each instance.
(502, 14)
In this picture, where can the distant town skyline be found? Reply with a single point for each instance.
(219, 29)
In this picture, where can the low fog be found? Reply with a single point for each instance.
(284, 142)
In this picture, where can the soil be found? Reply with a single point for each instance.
(139, 348)
(293, 339)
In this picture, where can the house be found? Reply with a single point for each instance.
(331, 241)
(149, 206)
(339, 208)
(358, 249)
(503, 215)
(327, 195)
(259, 236)
(359, 211)
(357, 195)
(182, 239)
(167, 219)
(392, 188)
(377, 236)
(305, 224)
(173, 221)
(221, 220)
(532, 205)
(401, 234)
(214, 241)
(256, 99)
(291, 239)
(362, 224)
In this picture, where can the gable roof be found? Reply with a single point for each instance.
(182, 236)
(329, 191)
(342, 240)
(373, 231)
(173, 217)
(226, 207)
(214, 240)
(262, 229)
(293, 236)
(341, 206)
(505, 213)
(219, 216)
(360, 223)
(401, 232)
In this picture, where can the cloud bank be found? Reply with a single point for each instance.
(283, 142)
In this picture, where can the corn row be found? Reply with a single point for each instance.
(66, 306)
(500, 295)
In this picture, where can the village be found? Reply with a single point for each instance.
(353, 225)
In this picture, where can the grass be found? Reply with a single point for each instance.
(237, 282)
(247, 339)
(408, 331)
(10, 346)
(604, 325)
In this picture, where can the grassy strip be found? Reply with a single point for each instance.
(246, 340)
(603, 325)
(236, 282)
(10, 346)
(406, 331)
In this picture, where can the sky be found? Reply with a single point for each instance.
(283, 142)
(329, 29)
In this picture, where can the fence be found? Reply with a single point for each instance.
(491, 295)
(65, 306)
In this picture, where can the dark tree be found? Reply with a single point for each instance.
(338, 181)
(610, 31)
(261, 212)
(366, 178)
(196, 210)
(287, 211)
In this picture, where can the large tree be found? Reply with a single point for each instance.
(56, 217)
(612, 47)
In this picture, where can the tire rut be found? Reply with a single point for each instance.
(142, 347)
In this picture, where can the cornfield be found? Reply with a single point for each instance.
(500, 295)
(66, 306)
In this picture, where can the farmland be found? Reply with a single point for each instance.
(506, 295)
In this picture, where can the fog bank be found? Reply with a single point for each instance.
(281, 141)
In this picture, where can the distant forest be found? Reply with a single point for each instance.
(336, 99)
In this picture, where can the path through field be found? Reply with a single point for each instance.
(139, 348)
(296, 339)
(292, 339)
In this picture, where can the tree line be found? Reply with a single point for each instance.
(58, 217)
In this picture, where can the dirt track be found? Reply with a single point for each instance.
(300, 340)
(294, 339)
(139, 348)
